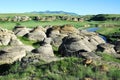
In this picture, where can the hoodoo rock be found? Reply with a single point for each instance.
(8, 38)
(82, 42)
(57, 33)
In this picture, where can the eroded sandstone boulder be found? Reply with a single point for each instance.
(8, 38)
(45, 49)
(36, 34)
(10, 54)
(27, 48)
(20, 18)
(67, 29)
(106, 48)
(82, 42)
(57, 33)
(20, 30)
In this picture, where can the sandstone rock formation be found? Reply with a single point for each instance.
(36, 34)
(20, 18)
(52, 18)
(7, 37)
(83, 42)
(43, 18)
(27, 48)
(57, 33)
(20, 30)
(10, 54)
(106, 48)
(45, 49)
(12, 49)
(67, 29)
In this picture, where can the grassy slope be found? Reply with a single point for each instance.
(68, 69)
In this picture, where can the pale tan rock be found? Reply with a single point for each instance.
(10, 54)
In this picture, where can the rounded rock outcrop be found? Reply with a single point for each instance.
(10, 54)
(76, 43)
(57, 33)
(20, 30)
(45, 49)
(37, 34)
(8, 38)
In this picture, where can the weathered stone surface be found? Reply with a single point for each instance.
(20, 30)
(20, 18)
(36, 34)
(57, 33)
(67, 29)
(80, 43)
(57, 40)
(40, 28)
(74, 19)
(45, 49)
(10, 54)
(15, 42)
(106, 48)
(43, 18)
(47, 41)
(7, 37)
(27, 48)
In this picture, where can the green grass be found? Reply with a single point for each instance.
(108, 30)
(31, 24)
(68, 69)
(106, 57)
(26, 41)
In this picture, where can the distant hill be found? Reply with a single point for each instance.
(54, 12)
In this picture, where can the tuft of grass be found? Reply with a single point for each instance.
(107, 57)
(26, 41)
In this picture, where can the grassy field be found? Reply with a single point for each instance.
(31, 24)
(107, 30)
(70, 68)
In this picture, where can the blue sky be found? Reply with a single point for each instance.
(81, 7)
